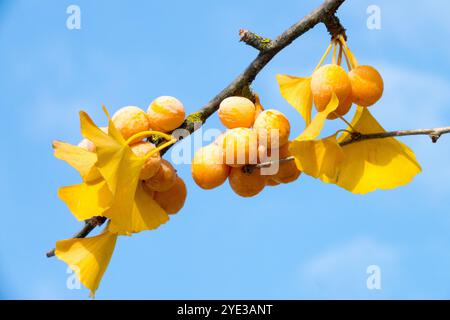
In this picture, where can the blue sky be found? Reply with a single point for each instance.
(302, 240)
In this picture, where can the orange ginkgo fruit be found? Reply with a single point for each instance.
(329, 79)
(239, 147)
(367, 85)
(287, 171)
(342, 109)
(152, 164)
(208, 169)
(165, 114)
(271, 183)
(270, 124)
(172, 200)
(87, 145)
(130, 121)
(237, 112)
(247, 184)
(164, 179)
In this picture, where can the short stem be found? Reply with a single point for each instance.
(343, 119)
(324, 56)
(145, 134)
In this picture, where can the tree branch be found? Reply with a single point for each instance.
(268, 49)
(434, 134)
(254, 40)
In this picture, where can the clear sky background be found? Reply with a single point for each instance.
(301, 240)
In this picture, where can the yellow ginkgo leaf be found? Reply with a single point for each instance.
(80, 159)
(87, 199)
(318, 158)
(146, 214)
(88, 257)
(297, 91)
(376, 163)
(313, 130)
(111, 149)
(120, 168)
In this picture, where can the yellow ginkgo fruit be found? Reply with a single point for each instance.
(287, 171)
(87, 145)
(165, 114)
(367, 85)
(130, 121)
(272, 124)
(247, 184)
(237, 112)
(152, 163)
(208, 169)
(239, 147)
(88, 257)
(172, 200)
(328, 80)
(164, 178)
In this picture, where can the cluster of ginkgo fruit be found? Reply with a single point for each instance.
(254, 136)
(362, 85)
(158, 177)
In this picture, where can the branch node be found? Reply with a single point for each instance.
(334, 27)
(254, 40)
(435, 136)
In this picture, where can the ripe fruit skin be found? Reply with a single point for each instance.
(288, 171)
(239, 147)
(326, 80)
(87, 144)
(237, 112)
(271, 183)
(342, 109)
(130, 120)
(367, 85)
(164, 179)
(246, 184)
(152, 164)
(173, 199)
(268, 120)
(208, 169)
(165, 114)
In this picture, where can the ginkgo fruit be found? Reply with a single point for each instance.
(367, 85)
(164, 179)
(239, 147)
(342, 109)
(269, 124)
(237, 112)
(329, 79)
(172, 200)
(272, 183)
(208, 169)
(247, 184)
(165, 114)
(87, 144)
(130, 121)
(287, 171)
(152, 164)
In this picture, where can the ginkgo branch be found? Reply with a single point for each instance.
(268, 49)
(433, 133)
